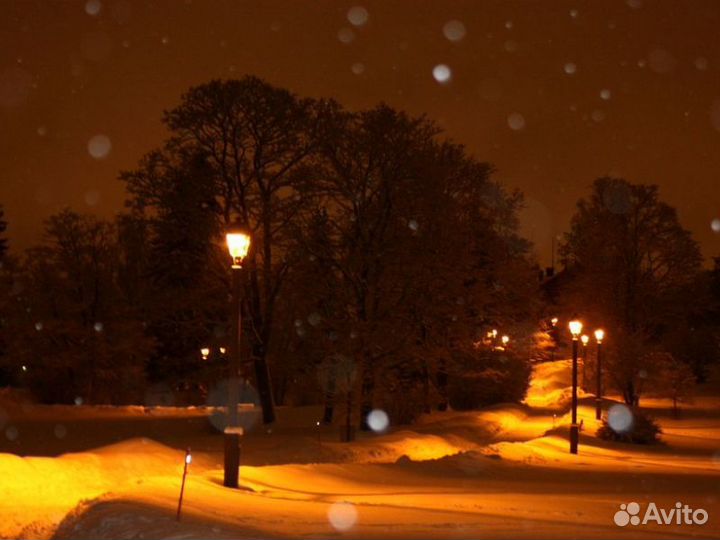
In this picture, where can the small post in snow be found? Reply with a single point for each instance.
(188, 461)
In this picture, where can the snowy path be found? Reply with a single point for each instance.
(503, 472)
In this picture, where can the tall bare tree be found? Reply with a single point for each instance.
(254, 138)
(629, 256)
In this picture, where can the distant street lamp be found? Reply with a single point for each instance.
(205, 352)
(599, 336)
(505, 340)
(575, 330)
(554, 321)
(584, 339)
(238, 243)
(553, 335)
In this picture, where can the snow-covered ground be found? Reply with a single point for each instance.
(504, 472)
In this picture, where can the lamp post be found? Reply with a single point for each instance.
(553, 334)
(584, 339)
(599, 336)
(238, 243)
(575, 330)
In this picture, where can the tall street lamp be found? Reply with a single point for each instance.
(584, 339)
(575, 330)
(599, 336)
(238, 243)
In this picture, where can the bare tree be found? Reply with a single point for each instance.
(254, 138)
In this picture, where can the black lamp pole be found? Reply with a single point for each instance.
(574, 429)
(598, 382)
(232, 433)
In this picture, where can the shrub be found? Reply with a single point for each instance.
(643, 430)
(495, 377)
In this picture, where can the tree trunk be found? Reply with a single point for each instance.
(262, 380)
(442, 383)
(366, 395)
(329, 398)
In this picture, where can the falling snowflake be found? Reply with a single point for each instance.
(93, 7)
(570, 68)
(454, 30)
(661, 61)
(442, 73)
(701, 63)
(598, 115)
(342, 516)
(92, 197)
(358, 16)
(605, 94)
(378, 420)
(715, 225)
(620, 418)
(346, 35)
(358, 68)
(99, 146)
(516, 121)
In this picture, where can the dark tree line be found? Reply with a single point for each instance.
(375, 241)
(382, 252)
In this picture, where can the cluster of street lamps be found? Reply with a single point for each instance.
(576, 330)
(491, 340)
(205, 352)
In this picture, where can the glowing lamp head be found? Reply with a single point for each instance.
(205, 352)
(494, 333)
(188, 459)
(584, 338)
(505, 340)
(554, 321)
(575, 328)
(599, 335)
(222, 350)
(238, 243)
